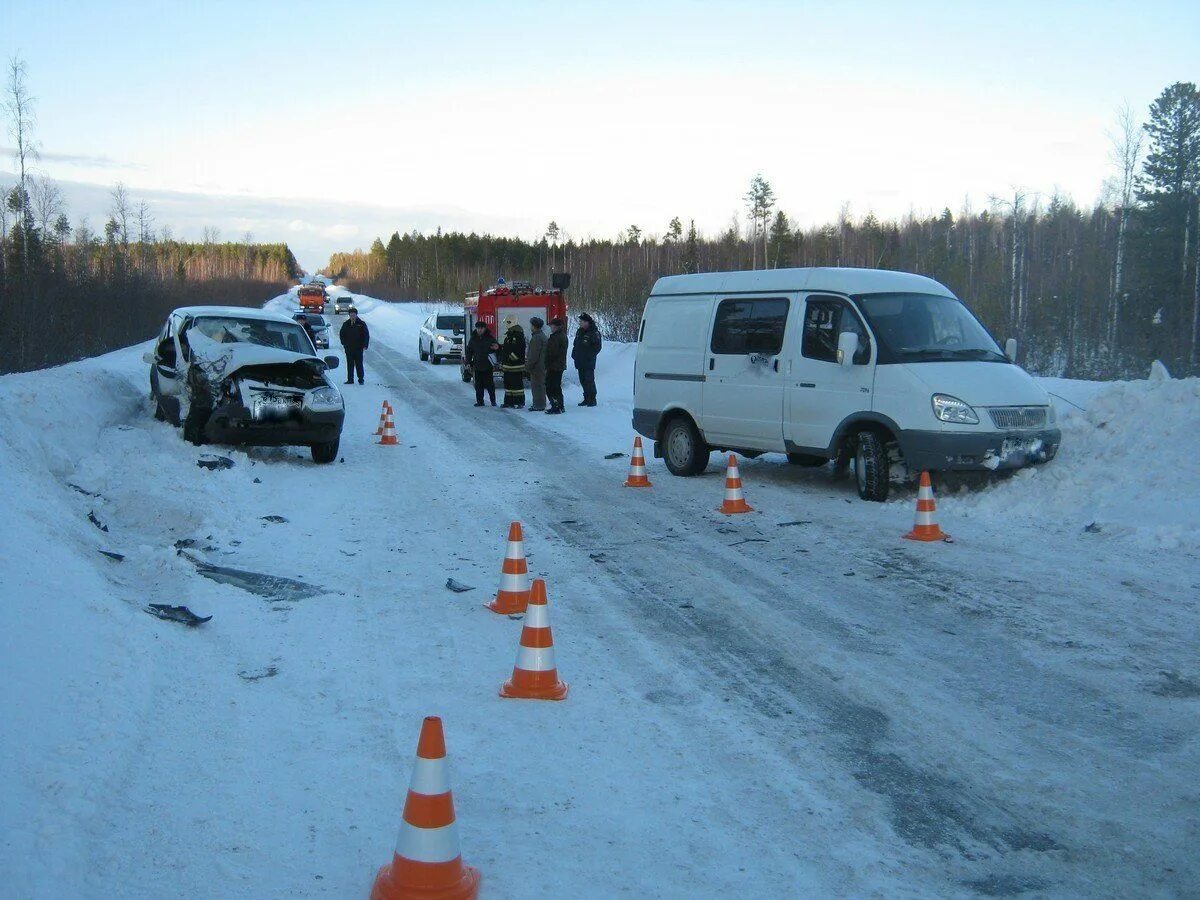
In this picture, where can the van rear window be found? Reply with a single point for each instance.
(750, 326)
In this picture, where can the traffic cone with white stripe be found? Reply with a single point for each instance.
(926, 528)
(734, 501)
(427, 862)
(388, 436)
(387, 408)
(637, 467)
(535, 676)
(513, 594)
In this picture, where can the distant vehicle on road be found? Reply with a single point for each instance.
(885, 369)
(320, 329)
(232, 375)
(441, 336)
(312, 298)
(342, 303)
(519, 299)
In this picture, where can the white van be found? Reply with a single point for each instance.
(886, 369)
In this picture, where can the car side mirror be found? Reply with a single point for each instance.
(332, 362)
(148, 358)
(847, 347)
(1010, 349)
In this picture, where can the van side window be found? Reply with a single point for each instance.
(750, 326)
(824, 321)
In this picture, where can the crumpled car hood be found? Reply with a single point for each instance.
(221, 360)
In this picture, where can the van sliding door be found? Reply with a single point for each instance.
(744, 381)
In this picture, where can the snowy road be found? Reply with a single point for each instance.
(787, 703)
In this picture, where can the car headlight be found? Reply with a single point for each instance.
(1052, 414)
(325, 398)
(442, 339)
(951, 409)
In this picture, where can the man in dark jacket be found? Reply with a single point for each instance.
(535, 364)
(356, 338)
(585, 351)
(556, 363)
(478, 356)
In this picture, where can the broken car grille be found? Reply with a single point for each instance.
(1018, 416)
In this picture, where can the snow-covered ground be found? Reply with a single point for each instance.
(790, 703)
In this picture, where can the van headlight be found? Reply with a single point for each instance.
(951, 409)
(326, 398)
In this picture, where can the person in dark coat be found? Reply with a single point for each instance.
(356, 338)
(512, 364)
(584, 353)
(478, 355)
(302, 320)
(556, 364)
(535, 364)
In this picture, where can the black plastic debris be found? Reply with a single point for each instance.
(268, 672)
(1092, 528)
(119, 557)
(179, 614)
(80, 490)
(258, 481)
(750, 541)
(213, 462)
(797, 522)
(92, 518)
(613, 455)
(269, 587)
(457, 586)
(277, 520)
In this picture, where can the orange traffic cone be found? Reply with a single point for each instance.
(514, 576)
(535, 676)
(926, 527)
(637, 467)
(387, 408)
(388, 436)
(734, 501)
(427, 862)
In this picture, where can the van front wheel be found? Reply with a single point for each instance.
(684, 450)
(871, 467)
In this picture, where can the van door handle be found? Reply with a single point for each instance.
(777, 364)
(712, 362)
(807, 384)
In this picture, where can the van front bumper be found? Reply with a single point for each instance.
(959, 451)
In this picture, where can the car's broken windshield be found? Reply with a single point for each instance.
(264, 333)
(927, 327)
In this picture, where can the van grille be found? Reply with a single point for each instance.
(1018, 416)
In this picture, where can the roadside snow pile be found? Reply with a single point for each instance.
(1128, 463)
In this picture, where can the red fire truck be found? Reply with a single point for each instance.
(519, 299)
(312, 297)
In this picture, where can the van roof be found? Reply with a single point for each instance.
(843, 281)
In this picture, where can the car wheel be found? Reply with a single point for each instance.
(808, 460)
(684, 450)
(871, 467)
(434, 358)
(326, 452)
(421, 353)
(193, 426)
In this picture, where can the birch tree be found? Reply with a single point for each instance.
(1126, 156)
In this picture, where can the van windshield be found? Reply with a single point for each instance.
(926, 328)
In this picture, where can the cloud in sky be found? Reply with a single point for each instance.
(90, 161)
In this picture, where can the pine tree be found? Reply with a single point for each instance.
(691, 250)
(780, 240)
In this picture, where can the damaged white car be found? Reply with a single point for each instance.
(231, 375)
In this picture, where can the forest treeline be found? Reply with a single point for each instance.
(1089, 292)
(67, 292)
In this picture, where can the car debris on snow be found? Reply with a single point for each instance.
(80, 490)
(176, 614)
(1092, 528)
(119, 557)
(212, 462)
(797, 522)
(95, 521)
(276, 520)
(457, 586)
(613, 455)
(268, 672)
(751, 541)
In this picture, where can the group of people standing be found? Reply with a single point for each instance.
(543, 358)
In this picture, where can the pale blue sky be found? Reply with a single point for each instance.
(331, 123)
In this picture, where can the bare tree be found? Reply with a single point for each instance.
(1126, 156)
(47, 202)
(18, 103)
(120, 211)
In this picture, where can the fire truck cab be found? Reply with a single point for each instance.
(519, 299)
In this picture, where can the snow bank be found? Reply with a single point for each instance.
(1129, 463)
